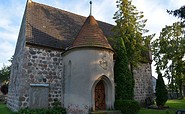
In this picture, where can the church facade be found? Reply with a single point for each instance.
(65, 57)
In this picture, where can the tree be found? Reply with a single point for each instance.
(128, 32)
(5, 73)
(161, 91)
(123, 77)
(130, 27)
(168, 53)
(178, 12)
(4, 77)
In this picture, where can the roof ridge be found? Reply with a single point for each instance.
(46, 5)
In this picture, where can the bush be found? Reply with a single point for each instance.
(55, 110)
(4, 89)
(2, 98)
(127, 106)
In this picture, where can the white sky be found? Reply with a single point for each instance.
(11, 13)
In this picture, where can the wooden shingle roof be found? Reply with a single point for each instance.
(56, 28)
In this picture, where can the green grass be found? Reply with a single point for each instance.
(176, 104)
(4, 109)
(173, 106)
(153, 111)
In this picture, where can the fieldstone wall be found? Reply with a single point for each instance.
(41, 65)
(143, 82)
(44, 66)
(16, 75)
(37, 66)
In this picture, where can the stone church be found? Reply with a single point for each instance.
(67, 57)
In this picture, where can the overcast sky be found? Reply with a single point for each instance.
(11, 13)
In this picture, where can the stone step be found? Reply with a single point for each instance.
(106, 112)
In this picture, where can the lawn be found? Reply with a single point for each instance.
(173, 104)
(4, 109)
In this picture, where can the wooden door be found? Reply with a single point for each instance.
(100, 96)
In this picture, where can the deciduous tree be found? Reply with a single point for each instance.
(5, 73)
(168, 51)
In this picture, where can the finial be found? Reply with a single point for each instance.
(90, 8)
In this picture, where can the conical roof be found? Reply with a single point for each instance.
(91, 35)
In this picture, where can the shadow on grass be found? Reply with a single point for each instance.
(173, 105)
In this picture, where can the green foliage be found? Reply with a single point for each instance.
(161, 91)
(54, 110)
(123, 78)
(169, 50)
(130, 27)
(168, 53)
(129, 45)
(57, 105)
(5, 73)
(178, 12)
(57, 109)
(127, 106)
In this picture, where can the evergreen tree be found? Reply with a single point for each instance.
(130, 27)
(161, 91)
(130, 44)
(123, 78)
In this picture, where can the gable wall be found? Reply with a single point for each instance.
(16, 70)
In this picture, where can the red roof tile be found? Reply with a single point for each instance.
(91, 35)
(53, 27)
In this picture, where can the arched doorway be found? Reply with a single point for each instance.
(105, 88)
(100, 102)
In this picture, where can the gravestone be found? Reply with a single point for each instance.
(38, 96)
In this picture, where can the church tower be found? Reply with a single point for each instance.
(88, 72)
